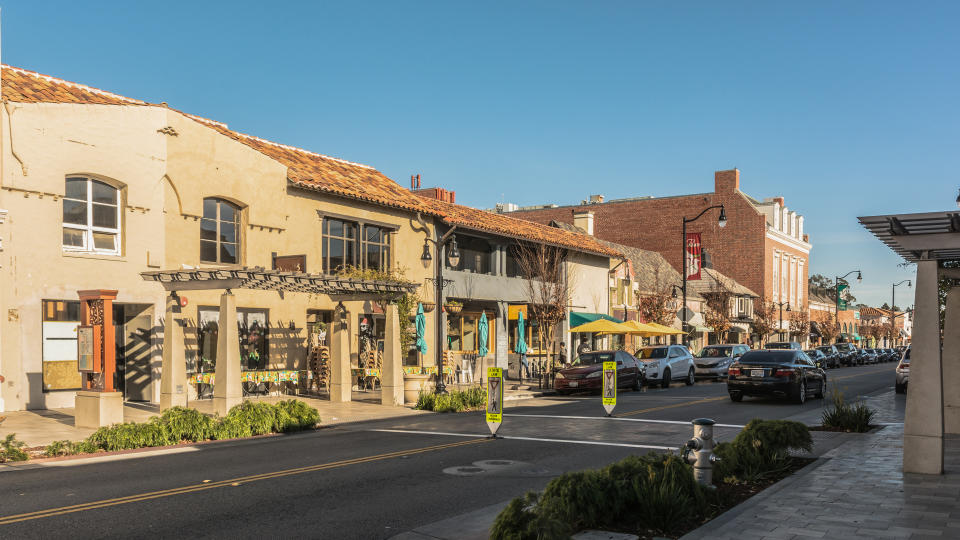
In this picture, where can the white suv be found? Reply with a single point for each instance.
(666, 363)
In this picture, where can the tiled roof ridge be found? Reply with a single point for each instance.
(301, 150)
(57, 80)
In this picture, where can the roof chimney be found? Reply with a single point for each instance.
(726, 181)
(584, 220)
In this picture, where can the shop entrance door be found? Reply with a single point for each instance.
(135, 351)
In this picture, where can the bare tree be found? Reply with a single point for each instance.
(717, 311)
(762, 323)
(800, 326)
(657, 305)
(547, 287)
(829, 329)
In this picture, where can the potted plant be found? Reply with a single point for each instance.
(453, 307)
(428, 306)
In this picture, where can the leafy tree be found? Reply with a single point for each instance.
(820, 281)
(800, 326)
(717, 312)
(657, 306)
(885, 306)
(763, 318)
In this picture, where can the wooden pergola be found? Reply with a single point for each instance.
(933, 407)
(227, 391)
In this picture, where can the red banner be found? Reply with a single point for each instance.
(693, 249)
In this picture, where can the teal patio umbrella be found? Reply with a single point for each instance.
(483, 335)
(521, 347)
(421, 330)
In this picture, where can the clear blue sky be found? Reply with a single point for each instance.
(844, 108)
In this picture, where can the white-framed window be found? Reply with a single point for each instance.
(793, 282)
(220, 232)
(801, 279)
(776, 276)
(91, 216)
(784, 275)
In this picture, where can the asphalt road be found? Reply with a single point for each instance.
(375, 479)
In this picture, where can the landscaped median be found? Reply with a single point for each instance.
(175, 426)
(656, 495)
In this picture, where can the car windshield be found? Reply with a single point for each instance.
(768, 357)
(715, 352)
(825, 349)
(812, 352)
(653, 352)
(906, 357)
(592, 358)
(778, 345)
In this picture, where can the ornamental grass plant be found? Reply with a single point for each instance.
(454, 401)
(845, 417)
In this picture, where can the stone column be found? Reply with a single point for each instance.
(503, 338)
(951, 363)
(226, 387)
(341, 381)
(391, 371)
(923, 423)
(173, 369)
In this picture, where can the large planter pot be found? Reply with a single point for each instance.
(413, 384)
(453, 309)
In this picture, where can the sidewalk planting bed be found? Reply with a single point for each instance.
(179, 425)
(470, 399)
(656, 495)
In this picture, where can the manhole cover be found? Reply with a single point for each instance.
(497, 462)
(464, 471)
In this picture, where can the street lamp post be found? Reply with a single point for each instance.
(893, 302)
(454, 258)
(836, 286)
(722, 222)
(781, 304)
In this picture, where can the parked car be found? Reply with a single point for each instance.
(832, 354)
(819, 359)
(849, 355)
(903, 372)
(666, 363)
(713, 360)
(892, 355)
(586, 372)
(780, 373)
(784, 345)
(869, 356)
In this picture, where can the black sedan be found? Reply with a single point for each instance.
(834, 358)
(779, 373)
(587, 371)
(818, 357)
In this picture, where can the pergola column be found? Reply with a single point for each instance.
(951, 363)
(391, 370)
(226, 386)
(173, 369)
(923, 423)
(341, 380)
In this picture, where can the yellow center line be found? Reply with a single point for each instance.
(6, 520)
(662, 407)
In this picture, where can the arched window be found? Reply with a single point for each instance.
(91, 216)
(220, 232)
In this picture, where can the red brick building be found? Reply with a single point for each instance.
(762, 247)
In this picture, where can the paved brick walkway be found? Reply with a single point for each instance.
(858, 492)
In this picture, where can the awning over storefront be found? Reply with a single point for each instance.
(578, 318)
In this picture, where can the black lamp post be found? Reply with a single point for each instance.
(722, 222)
(893, 302)
(836, 286)
(454, 258)
(781, 304)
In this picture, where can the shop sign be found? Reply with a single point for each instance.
(609, 386)
(494, 399)
(87, 353)
(693, 248)
(514, 310)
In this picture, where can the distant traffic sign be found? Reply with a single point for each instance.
(494, 399)
(609, 386)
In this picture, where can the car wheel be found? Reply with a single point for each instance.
(665, 383)
(636, 384)
(802, 392)
(736, 396)
(691, 378)
(823, 389)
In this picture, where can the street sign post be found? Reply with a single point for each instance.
(494, 399)
(609, 386)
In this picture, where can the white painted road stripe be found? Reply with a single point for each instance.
(568, 441)
(680, 422)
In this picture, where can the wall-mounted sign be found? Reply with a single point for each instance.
(692, 251)
(513, 310)
(88, 349)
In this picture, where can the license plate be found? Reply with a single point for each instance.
(573, 384)
(756, 373)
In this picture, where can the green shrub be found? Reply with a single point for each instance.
(130, 435)
(259, 417)
(12, 450)
(58, 448)
(454, 401)
(761, 450)
(229, 427)
(425, 401)
(668, 494)
(850, 418)
(293, 415)
(184, 424)
(577, 499)
(520, 520)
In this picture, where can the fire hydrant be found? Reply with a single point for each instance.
(699, 451)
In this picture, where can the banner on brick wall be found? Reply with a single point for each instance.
(693, 250)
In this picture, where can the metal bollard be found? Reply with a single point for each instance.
(699, 451)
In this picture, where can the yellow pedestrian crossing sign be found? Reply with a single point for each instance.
(609, 386)
(494, 399)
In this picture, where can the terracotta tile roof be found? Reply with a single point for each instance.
(305, 169)
(481, 220)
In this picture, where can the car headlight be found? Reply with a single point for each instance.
(594, 375)
(559, 376)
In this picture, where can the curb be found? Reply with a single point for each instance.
(709, 529)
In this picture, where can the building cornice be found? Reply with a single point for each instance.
(789, 241)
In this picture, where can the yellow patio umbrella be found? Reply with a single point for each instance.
(602, 326)
(666, 329)
(644, 330)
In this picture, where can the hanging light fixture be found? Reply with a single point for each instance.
(722, 220)
(454, 256)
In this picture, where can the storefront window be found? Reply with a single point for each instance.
(474, 255)
(376, 247)
(59, 361)
(253, 325)
(513, 266)
(339, 245)
(370, 335)
(463, 332)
